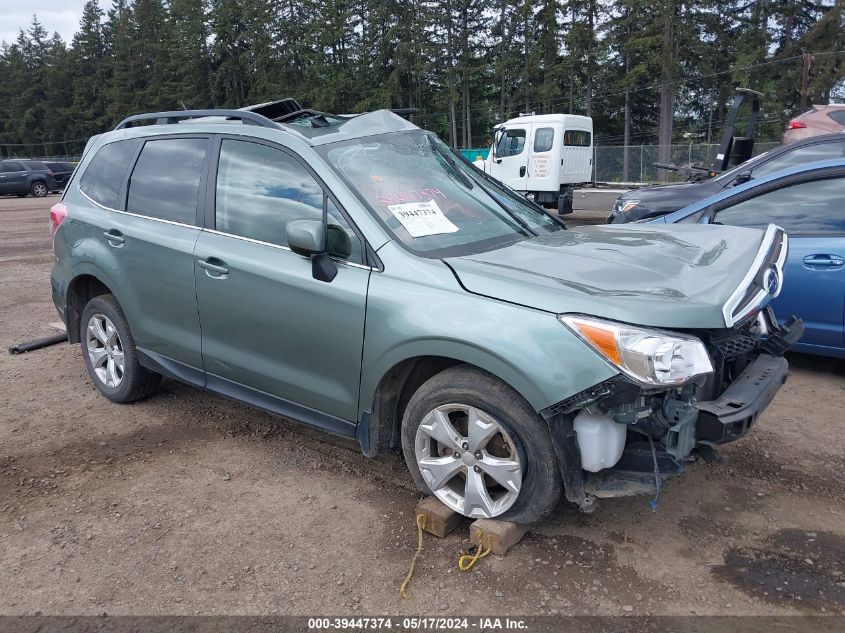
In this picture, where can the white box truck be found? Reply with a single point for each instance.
(543, 156)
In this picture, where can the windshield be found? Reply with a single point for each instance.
(430, 199)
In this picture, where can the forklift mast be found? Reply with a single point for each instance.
(734, 150)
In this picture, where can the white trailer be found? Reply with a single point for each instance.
(543, 155)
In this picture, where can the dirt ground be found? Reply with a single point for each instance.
(187, 503)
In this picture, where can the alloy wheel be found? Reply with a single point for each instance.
(39, 190)
(468, 460)
(105, 350)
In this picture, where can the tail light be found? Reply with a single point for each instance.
(794, 124)
(58, 212)
(51, 174)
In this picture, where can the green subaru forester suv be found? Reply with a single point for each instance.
(355, 274)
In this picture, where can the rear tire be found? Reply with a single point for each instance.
(38, 189)
(516, 447)
(108, 350)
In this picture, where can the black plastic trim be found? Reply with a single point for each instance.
(171, 368)
(285, 408)
(732, 414)
(241, 393)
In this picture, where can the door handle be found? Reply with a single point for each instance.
(213, 267)
(824, 261)
(522, 171)
(498, 161)
(114, 237)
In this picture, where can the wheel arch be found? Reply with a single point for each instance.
(81, 289)
(384, 404)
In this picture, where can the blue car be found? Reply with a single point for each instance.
(809, 202)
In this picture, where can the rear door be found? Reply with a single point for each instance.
(150, 240)
(813, 214)
(510, 162)
(269, 328)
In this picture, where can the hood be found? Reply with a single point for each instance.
(677, 276)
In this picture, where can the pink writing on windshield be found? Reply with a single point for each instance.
(410, 196)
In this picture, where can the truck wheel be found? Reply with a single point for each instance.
(38, 189)
(109, 353)
(479, 447)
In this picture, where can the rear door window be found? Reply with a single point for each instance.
(10, 168)
(801, 156)
(165, 183)
(104, 175)
(577, 138)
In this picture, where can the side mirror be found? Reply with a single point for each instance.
(742, 178)
(308, 238)
(338, 243)
(497, 138)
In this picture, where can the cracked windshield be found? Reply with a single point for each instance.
(436, 204)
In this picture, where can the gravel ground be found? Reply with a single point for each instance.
(187, 503)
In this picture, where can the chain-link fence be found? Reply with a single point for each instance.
(610, 162)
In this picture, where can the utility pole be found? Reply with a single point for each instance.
(806, 58)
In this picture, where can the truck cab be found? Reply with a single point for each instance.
(543, 156)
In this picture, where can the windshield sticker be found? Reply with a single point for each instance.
(409, 196)
(422, 218)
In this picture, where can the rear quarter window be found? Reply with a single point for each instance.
(103, 176)
(37, 166)
(577, 138)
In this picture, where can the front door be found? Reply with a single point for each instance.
(267, 324)
(813, 214)
(510, 162)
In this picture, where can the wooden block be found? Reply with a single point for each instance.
(439, 520)
(502, 534)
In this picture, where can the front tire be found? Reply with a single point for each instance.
(480, 448)
(108, 350)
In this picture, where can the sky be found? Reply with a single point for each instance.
(60, 16)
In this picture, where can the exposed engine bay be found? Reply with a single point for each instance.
(630, 438)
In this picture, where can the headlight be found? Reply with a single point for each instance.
(623, 206)
(650, 357)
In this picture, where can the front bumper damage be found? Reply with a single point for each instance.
(649, 458)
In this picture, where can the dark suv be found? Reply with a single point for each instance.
(24, 177)
(61, 173)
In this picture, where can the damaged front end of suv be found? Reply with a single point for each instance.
(678, 394)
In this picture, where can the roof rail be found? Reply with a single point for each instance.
(245, 116)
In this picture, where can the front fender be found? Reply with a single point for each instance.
(429, 314)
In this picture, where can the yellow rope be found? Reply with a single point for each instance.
(480, 553)
(406, 582)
